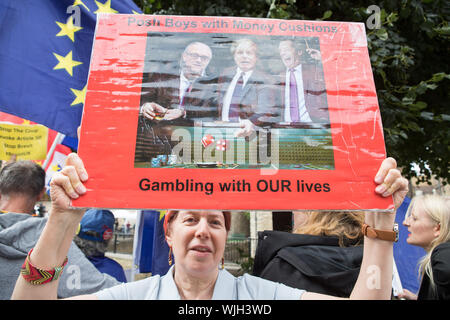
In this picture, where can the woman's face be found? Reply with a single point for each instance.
(198, 240)
(422, 229)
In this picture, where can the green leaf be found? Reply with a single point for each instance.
(327, 14)
(382, 34)
(419, 105)
(439, 76)
(391, 18)
(427, 115)
(445, 30)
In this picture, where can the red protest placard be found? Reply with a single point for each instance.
(230, 113)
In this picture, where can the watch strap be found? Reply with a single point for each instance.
(370, 232)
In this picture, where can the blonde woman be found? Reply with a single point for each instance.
(428, 222)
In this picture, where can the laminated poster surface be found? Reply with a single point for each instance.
(230, 113)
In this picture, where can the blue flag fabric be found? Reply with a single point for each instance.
(44, 58)
(406, 256)
(143, 250)
(160, 264)
(70, 142)
(152, 249)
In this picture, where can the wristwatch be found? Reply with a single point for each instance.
(381, 234)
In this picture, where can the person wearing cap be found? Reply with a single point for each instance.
(197, 239)
(95, 230)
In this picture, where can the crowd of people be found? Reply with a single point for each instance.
(326, 257)
(329, 255)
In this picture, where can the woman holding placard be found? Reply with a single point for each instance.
(197, 239)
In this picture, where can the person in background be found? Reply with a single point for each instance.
(428, 222)
(95, 232)
(21, 186)
(323, 254)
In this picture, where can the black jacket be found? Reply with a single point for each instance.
(440, 265)
(314, 263)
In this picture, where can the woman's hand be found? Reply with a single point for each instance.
(67, 185)
(390, 183)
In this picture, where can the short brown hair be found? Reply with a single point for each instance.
(22, 177)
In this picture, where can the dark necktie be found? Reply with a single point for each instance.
(293, 96)
(236, 99)
(183, 98)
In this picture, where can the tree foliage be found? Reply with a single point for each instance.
(409, 52)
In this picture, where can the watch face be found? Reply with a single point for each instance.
(396, 231)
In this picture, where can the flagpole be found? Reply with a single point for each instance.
(58, 139)
(137, 244)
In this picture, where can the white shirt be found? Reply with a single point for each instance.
(303, 113)
(230, 90)
(227, 287)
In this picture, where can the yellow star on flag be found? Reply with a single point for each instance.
(56, 167)
(26, 122)
(80, 95)
(66, 63)
(104, 8)
(78, 2)
(161, 215)
(68, 29)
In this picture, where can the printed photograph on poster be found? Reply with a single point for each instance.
(201, 91)
(230, 113)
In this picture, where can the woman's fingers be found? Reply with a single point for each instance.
(74, 160)
(390, 181)
(67, 184)
(386, 165)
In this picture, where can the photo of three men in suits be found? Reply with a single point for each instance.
(242, 92)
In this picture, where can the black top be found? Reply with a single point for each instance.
(313, 263)
(440, 265)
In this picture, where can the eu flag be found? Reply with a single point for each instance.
(151, 250)
(44, 57)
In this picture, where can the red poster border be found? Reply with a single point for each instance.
(109, 124)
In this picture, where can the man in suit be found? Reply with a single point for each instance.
(303, 92)
(179, 94)
(186, 93)
(246, 94)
